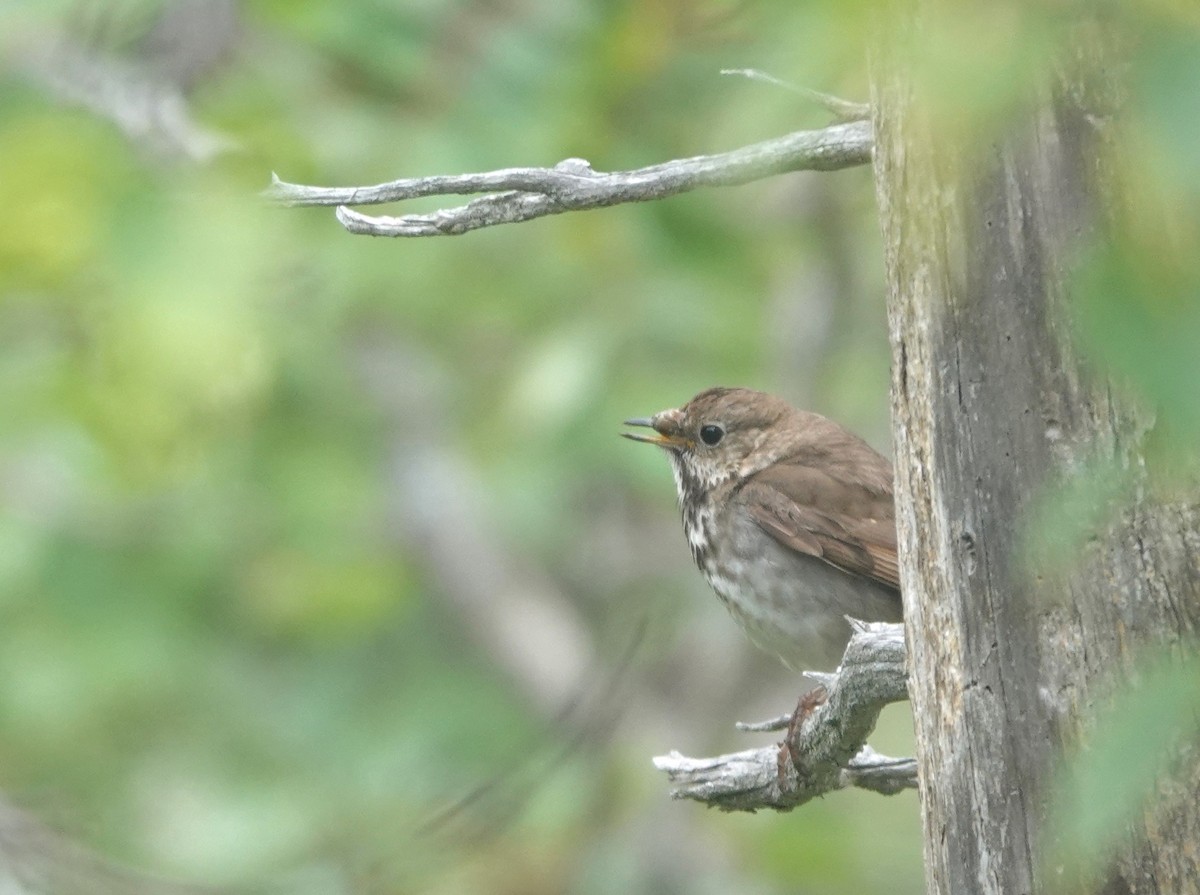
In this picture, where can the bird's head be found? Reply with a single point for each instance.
(721, 434)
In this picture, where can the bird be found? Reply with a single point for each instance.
(789, 517)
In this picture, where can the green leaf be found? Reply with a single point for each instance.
(1114, 773)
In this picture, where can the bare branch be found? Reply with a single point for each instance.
(831, 740)
(144, 97)
(35, 860)
(842, 109)
(771, 725)
(521, 194)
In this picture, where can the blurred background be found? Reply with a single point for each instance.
(321, 562)
(320, 558)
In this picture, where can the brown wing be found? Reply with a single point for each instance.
(847, 521)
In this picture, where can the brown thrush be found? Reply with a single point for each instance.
(788, 515)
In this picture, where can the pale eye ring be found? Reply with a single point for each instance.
(711, 434)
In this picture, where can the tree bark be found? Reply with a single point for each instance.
(991, 404)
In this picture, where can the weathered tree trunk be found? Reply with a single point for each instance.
(991, 404)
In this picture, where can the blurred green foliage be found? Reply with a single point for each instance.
(226, 653)
(1143, 734)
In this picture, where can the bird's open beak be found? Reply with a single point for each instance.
(657, 437)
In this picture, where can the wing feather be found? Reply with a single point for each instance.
(848, 522)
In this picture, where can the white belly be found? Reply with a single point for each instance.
(791, 604)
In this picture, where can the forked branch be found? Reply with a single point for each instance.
(522, 194)
(831, 740)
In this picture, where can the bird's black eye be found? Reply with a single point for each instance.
(711, 434)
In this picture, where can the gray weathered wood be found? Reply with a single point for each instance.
(515, 195)
(831, 741)
(991, 403)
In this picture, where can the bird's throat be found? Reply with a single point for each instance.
(697, 509)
